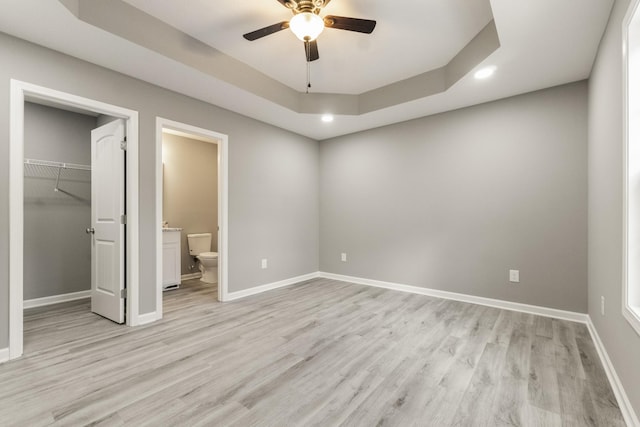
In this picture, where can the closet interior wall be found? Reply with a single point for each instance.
(57, 250)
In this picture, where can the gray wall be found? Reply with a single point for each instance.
(273, 174)
(103, 120)
(57, 251)
(453, 201)
(190, 194)
(606, 207)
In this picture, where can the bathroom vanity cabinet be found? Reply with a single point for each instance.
(171, 271)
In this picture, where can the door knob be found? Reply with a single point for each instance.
(91, 230)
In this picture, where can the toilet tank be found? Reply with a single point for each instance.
(199, 243)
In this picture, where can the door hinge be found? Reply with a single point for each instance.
(123, 144)
(123, 293)
(123, 219)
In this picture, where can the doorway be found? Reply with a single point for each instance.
(219, 231)
(127, 122)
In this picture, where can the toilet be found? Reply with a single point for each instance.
(200, 248)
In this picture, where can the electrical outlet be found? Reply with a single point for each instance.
(514, 276)
(264, 263)
(602, 305)
(343, 257)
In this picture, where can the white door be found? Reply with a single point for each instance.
(107, 222)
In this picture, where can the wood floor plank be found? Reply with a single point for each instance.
(577, 408)
(476, 407)
(320, 353)
(600, 390)
(510, 405)
(543, 388)
(567, 357)
(540, 418)
(544, 326)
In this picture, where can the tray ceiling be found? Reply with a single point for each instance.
(411, 37)
(366, 80)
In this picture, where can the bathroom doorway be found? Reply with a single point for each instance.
(64, 151)
(191, 212)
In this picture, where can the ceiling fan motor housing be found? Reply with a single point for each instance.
(311, 6)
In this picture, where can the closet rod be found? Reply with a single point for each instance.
(58, 165)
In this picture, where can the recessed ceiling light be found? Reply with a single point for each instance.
(485, 72)
(327, 118)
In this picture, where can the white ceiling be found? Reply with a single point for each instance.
(543, 43)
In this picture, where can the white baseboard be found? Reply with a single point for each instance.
(191, 276)
(270, 286)
(628, 413)
(146, 318)
(506, 305)
(4, 355)
(55, 299)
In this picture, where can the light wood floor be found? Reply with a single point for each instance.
(323, 353)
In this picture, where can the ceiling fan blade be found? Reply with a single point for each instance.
(262, 32)
(350, 24)
(311, 50)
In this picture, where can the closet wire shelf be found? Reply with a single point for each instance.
(49, 169)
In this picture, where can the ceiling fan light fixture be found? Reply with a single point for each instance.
(306, 26)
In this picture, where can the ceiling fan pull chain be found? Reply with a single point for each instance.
(308, 47)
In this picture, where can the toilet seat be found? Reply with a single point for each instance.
(208, 255)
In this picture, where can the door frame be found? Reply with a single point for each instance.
(223, 203)
(21, 91)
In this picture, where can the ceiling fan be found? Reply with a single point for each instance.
(307, 24)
